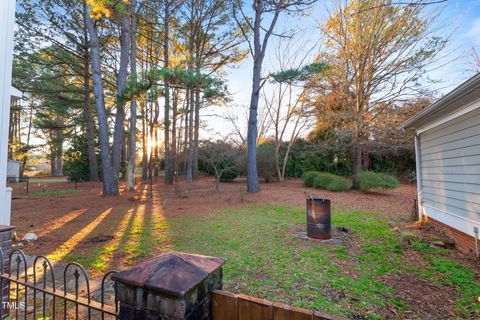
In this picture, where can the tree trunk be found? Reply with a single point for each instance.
(190, 139)
(185, 132)
(149, 145)
(196, 135)
(258, 55)
(357, 148)
(58, 172)
(92, 156)
(144, 144)
(357, 164)
(173, 149)
(123, 156)
(118, 133)
(166, 131)
(365, 158)
(132, 137)
(52, 156)
(110, 183)
(277, 160)
(155, 129)
(252, 176)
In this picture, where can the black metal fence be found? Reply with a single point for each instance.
(33, 292)
(20, 179)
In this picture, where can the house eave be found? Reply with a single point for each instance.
(465, 93)
(15, 94)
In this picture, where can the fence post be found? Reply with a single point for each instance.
(6, 241)
(173, 286)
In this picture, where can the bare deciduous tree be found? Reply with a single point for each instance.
(265, 17)
(238, 118)
(221, 156)
(285, 103)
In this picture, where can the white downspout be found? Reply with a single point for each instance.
(7, 22)
(418, 162)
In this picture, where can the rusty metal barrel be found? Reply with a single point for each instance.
(318, 218)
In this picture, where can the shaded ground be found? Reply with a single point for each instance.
(373, 272)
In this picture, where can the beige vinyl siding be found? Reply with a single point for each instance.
(450, 165)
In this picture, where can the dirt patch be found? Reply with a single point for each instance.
(99, 239)
(421, 298)
(337, 237)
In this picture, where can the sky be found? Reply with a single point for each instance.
(460, 21)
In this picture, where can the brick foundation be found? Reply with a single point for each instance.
(464, 242)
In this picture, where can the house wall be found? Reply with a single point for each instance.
(450, 172)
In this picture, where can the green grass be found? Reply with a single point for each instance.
(55, 192)
(266, 259)
(47, 180)
(453, 274)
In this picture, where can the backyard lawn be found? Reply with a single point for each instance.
(371, 272)
(376, 270)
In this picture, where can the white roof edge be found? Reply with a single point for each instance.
(465, 88)
(15, 93)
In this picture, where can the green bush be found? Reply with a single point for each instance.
(372, 180)
(322, 180)
(308, 178)
(76, 165)
(325, 180)
(339, 184)
(331, 182)
(335, 156)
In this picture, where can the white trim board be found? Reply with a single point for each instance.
(7, 22)
(462, 224)
(468, 108)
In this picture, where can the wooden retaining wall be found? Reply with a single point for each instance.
(230, 306)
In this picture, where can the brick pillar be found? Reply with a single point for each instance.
(6, 240)
(173, 286)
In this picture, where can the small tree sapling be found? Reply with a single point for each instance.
(220, 156)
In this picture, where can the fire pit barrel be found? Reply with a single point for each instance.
(318, 218)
